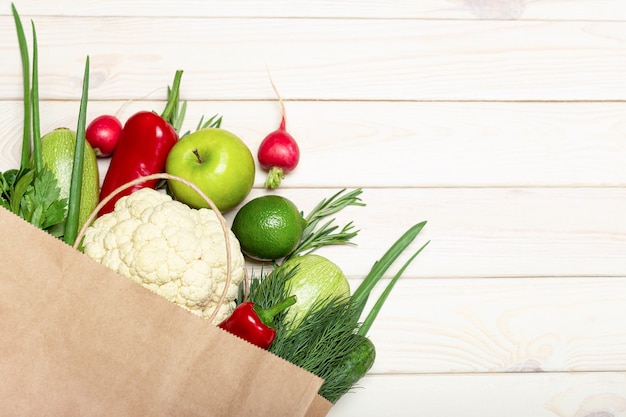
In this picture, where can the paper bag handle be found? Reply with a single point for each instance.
(165, 176)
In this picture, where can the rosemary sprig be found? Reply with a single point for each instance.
(213, 121)
(314, 235)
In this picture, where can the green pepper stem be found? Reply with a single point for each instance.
(267, 314)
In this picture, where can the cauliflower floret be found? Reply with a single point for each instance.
(171, 249)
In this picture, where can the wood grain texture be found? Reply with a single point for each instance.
(340, 59)
(514, 395)
(502, 325)
(403, 144)
(371, 9)
(486, 232)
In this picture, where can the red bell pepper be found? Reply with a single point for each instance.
(142, 149)
(254, 324)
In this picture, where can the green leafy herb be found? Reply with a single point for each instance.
(33, 196)
(41, 205)
(314, 235)
(267, 291)
(20, 187)
(320, 342)
(332, 329)
(31, 192)
(213, 121)
(322, 338)
(7, 180)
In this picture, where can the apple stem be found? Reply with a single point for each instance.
(200, 160)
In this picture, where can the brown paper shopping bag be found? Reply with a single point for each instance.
(320, 407)
(77, 339)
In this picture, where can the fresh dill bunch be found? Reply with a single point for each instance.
(321, 341)
(329, 339)
(270, 288)
(323, 337)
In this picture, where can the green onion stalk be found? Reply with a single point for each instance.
(73, 205)
(35, 105)
(21, 38)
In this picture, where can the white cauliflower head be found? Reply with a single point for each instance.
(174, 250)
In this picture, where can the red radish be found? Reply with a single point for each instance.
(278, 152)
(103, 133)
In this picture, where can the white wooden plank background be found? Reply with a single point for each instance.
(372, 9)
(501, 122)
(370, 59)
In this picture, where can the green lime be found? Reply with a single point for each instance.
(268, 227)
(315, 279)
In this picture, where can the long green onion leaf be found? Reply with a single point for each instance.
(73, 208)
(369, 320)
(177, 122)
(35, 105)
(25, 160)
(172, 100)
(360, 295)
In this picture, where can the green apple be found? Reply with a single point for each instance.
(215, 160)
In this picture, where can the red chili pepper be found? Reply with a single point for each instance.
(142, 149)
(254, 324)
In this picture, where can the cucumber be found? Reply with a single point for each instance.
(353, 366)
